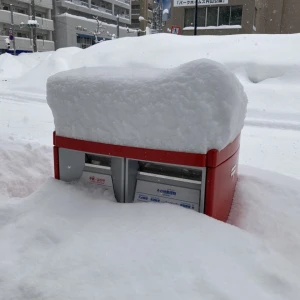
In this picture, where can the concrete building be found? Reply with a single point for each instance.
(75, 23)
(143, 8)
(23, 34)
(214, 16)
(280, 16)
(236, 16)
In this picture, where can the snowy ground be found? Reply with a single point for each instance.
(77, 247)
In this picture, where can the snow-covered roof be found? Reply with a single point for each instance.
(195, 107)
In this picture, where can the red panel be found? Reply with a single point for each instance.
(54, 136)
(220, 187)
(56, 162)
(215, 157)
(163, 156)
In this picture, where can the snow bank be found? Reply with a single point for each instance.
(24, 167)
(259, 56)
(267, 205)
(195, 107)
(67, 242)
(35, 79)
(10, 67)
(169, 51)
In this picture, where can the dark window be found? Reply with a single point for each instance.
(236, 15)
(208, 16)
(20, 11)
(189, 17)
(212, 16)
(201, 17)
(224, 15)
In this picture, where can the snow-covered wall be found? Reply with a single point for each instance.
(195, 107)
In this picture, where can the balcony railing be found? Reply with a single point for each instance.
(103, 9)
(135, 11)
(78, 2)
(124, 1)
(124, 16)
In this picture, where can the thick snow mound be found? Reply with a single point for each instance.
(196, 107)
(260, 56)
(10, 67)
(68, 242)
(267, 204)
(170, 50)
(24, 167)
(35, 79)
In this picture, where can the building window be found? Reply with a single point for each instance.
(85, 41)
(22, 34)
(214, 16)
(190, 17)
(20, 11)
(224, 15)
(236, 15)
(40, 15)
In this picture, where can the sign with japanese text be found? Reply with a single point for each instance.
(180, 3)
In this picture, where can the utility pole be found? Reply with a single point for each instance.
(196, 17)
(54, 22)
(118, 27)
(13, 28)
(34, 27)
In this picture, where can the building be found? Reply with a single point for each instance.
(274, 17)
(143, 8)
(214, 16)
(75, 21)
(22, 33)
(236, 16)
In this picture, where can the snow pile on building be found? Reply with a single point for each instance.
(69, 242)
(198, 106)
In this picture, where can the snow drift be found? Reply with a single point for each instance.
(70, 242)
(259, 56)
(193, 108)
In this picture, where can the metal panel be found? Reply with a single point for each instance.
(118, 177)
(190, 184)
(158, 192)
(71, 164)
(72, 167)
(139, 183)
(131, 170)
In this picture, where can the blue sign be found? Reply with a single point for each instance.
(11, 37)
(155, 199)
(143, 197)
(166, 192)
